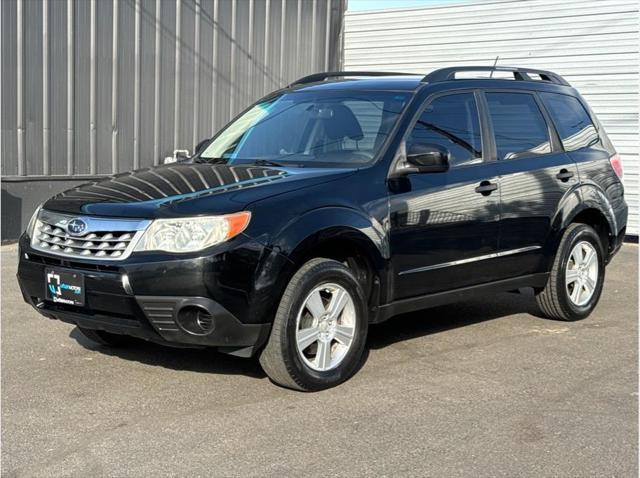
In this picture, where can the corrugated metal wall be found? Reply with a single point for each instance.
(594, 44)
(93, 87)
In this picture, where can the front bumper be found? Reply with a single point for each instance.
(142, 300)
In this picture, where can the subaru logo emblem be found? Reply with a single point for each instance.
(76, 226)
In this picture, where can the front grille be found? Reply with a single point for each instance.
(109, 244)
(105, 239)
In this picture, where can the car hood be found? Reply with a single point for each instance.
(184, 189)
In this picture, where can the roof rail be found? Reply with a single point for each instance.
(332, 74)
(523, 74)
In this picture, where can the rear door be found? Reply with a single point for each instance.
(535, 175)
(444, 226)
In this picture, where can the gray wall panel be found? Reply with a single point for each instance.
(8, 114)
(257, 49)
(273, 52)
(104, 49)
(167, 76)
(57, 88)
(33, 86)
(81, 101)
(222, 100)
(204, 106)
(125, 97)
(147, 67)
(186, 72)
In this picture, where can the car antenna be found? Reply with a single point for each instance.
(494, 66)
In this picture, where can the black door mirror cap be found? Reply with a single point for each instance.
(428, 158)
(200, 146)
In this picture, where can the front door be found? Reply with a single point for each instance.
(444, 226)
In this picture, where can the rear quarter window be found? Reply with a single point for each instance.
(572, 121)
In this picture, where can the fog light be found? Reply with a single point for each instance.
(195, 320)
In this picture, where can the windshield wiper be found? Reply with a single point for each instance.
(266, 162)
(210, 160)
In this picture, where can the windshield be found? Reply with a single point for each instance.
(314, 129)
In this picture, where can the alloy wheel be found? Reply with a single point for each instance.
(325, 327)
(581, 274)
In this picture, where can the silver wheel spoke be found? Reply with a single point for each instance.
(571, 276)
(581, 273)
(575, 293)
(589, 257)
(589, 284)
(315, 306)
(337, 304)
(344, 334)
(306, 337)
(576, 255)
(323, 357)
(582, 293)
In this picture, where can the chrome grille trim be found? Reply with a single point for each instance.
(103, 239)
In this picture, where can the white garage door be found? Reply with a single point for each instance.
(594, 44)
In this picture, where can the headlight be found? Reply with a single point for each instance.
(192, 234)
(32, 222)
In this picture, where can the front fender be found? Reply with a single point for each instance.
(325, 223)
(297, 239)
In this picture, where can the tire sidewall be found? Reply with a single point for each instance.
(304, 375)
(580, 234)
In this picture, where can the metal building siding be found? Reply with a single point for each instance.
(94, 87)
(594, 44)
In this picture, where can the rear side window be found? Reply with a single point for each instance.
(518, 125)
(572, 121)
(451, 121)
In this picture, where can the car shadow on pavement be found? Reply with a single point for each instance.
(399, 328)
(450, 316)
(206, 360)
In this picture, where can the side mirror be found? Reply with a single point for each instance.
(200, 146)
(428, 158)
(178, 155)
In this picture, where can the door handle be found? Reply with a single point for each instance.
(486, 188)
(564, 175)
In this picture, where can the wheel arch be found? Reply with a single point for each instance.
(586, 205)
(342, 234)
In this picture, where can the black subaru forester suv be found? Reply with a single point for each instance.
(340, 201)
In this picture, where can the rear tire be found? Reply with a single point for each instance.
(577, 276)
(105, 338)
(320, 328)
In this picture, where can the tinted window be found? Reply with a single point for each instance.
(518, 125)
(452, 122)
(572, 121)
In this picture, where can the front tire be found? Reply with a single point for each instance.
(577, 276)
(320, 328)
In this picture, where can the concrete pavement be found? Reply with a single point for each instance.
(481, 388)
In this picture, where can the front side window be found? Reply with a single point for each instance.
(572, 121)
(315, 129)
(519, 128)
(451, 122)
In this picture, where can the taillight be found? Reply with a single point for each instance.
(616, 164)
